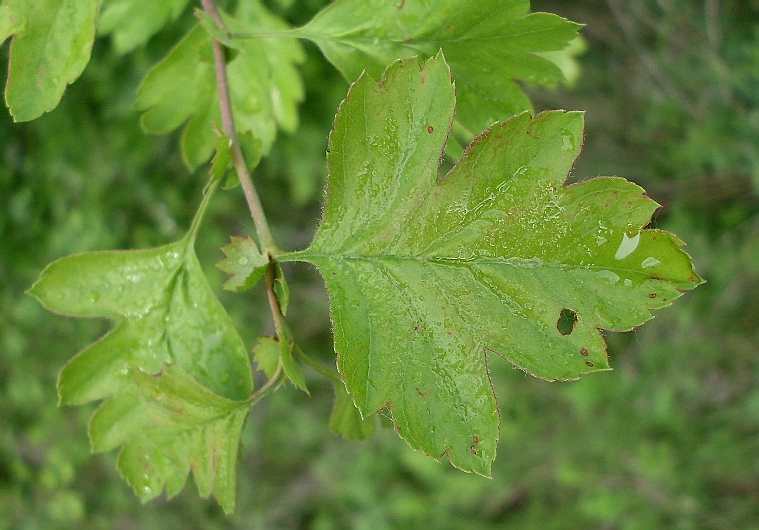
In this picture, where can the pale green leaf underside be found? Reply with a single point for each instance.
(426, 277)
(488, 45)
(265, 86)
(50, 48)
(170, 424)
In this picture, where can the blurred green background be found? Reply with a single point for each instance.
(669, 439)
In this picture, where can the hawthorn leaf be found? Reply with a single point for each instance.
(244, 262)
(290, 366)
(222, 158)
(132, 22)
(52, 41)
(272, 352)
(165, 314)
(184, 426)
(266, 353)
(427, 276)
(265, 87)
(488, 44)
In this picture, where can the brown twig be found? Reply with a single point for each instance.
(228, 126)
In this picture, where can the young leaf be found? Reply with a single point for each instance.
(266, 353)
(51, 46)
(244, 262)
(426, 276)
(488, 45)
(271, 352)
(290, 366)
(264, 83)
(281, 288)
(184, 426)
(133, 22)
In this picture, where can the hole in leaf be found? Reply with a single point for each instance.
(567, 321)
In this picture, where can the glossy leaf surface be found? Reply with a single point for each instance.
(426, 276)
(264, 83)
(164, 313)
(488, 45)
(52, 40)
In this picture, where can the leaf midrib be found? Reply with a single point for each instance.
(531, 263)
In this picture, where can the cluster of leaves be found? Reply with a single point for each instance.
(426, 275)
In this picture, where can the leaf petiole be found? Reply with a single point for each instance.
(270, 385)
(332, 375)
(227, 119)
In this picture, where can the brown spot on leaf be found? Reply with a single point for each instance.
(589, 363)
(652, 295)
(430, 129)
(584, 352)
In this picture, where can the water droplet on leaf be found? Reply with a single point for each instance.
(567, 141)
(650, 262)
(627, 246)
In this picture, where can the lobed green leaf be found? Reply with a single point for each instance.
(165, 313)
(132, 22)
(52, 40)
(427, 275)
(244, 262)
(264, 84)
(182, 426)
(164, 310)
(266, 353)
(488, 44)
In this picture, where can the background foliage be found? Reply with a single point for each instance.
(667, 440)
